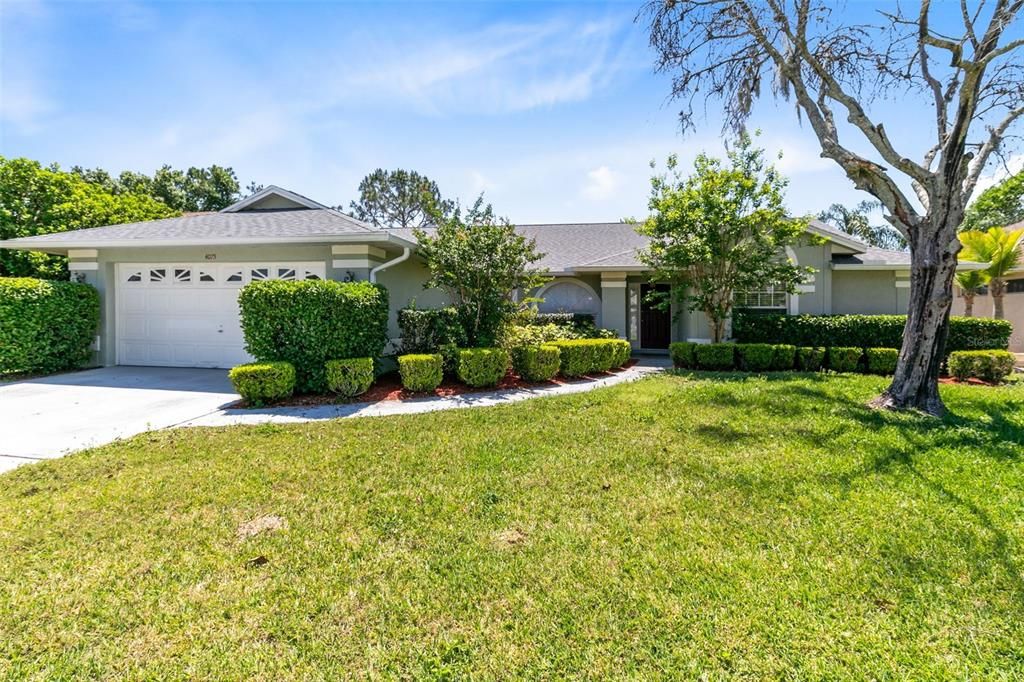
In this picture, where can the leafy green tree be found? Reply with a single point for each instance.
(857, 223)
(1002, 250)
(1001, 205)
(721, 230)
(35, 200)
(195, 189)
(400, 198)
(480, 262)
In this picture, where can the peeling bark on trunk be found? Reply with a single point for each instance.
(933, 267)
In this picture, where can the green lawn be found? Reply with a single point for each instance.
(677, 527)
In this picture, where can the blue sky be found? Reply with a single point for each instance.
(553, 110)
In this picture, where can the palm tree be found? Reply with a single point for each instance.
(1001, 249)
(971, 282)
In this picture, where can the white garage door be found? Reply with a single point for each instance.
(186, 315)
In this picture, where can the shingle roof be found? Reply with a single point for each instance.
(874, 256)
(279, 224)
(567, 246)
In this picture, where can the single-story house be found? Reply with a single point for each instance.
(169, 287)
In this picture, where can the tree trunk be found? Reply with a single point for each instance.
(915, 384)
(968, 304)
(997, 287)
(717, 328)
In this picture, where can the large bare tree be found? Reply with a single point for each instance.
(965, 73)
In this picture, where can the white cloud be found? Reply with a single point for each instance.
(23, 106)
(602, 182)
(480, 182)
(501, 68)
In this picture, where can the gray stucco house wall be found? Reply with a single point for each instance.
(169, 287)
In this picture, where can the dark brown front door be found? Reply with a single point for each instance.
(655, 323)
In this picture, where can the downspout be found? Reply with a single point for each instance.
(406, 252)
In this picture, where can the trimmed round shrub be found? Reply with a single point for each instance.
(310, 322)
(260, 382)
(988, 365)
(864, 331)
(46, 326)
(881, 360)
(577, 357)
(623, 351)
(537, 363)
(351, 377)
(421, 371)
(783, 357)
(754, 357)
(810, 359)
(683, 354)
(479, 367)
(844, 358)
(716, 356)
(605, 355)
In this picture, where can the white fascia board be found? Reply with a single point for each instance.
(61, 247)
(83, 253)
(605, 268)
(848, 242)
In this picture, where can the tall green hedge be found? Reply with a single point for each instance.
(864, 331)
(308, 323)
(428, 330)
(46, 326)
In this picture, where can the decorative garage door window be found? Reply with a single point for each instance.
(230, 275)
(569, 296)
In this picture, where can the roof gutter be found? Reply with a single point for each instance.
(57, 246)
(406, 252)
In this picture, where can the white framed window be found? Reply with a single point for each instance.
(768, 297)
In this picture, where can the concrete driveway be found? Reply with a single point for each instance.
(51, 416)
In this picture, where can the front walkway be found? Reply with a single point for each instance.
(283, 415)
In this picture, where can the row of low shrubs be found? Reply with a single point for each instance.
(482, 367)
(862, 331)
(989, 365)
(262, 382)
(767, 357)
(46, 326)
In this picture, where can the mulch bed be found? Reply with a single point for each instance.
(971, 382)
(389, 387)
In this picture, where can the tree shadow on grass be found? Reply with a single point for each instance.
(999, 437)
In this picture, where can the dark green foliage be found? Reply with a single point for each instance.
(754, 357)
(259, 382)
(844, 358)
(582, 324)
(988, 365)
(716, 356)
(622, 352)
(683, 354)
(784, 357)
(195, 189)
(586, 356)
(400, 198)
(537, 363)
(35, 200)
(46, 326)
(865, 331)
(351, 377)
(420, 371)
(479, 260)
(479, 367)
(308, 323)
(810, 359)
(427, 330)
(881, 360)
